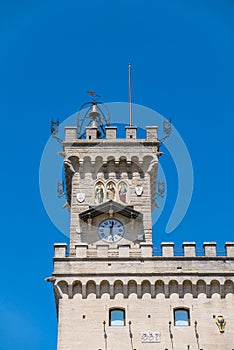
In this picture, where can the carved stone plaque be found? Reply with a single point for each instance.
(139, 190)
(150, 337)
(80, 197)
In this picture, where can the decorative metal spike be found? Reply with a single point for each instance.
(167, 128)
(160, 192)
(60, 189)
(161, 188)
(54, 126)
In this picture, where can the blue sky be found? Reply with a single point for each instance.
(182, 56)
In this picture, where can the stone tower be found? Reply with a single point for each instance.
(111, 292)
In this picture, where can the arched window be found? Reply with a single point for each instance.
(117, 317)
(181, 317)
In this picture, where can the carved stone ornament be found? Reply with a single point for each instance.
(150, 337)
(139, 190)
(221, 323)
(78, 229)
(80, 197)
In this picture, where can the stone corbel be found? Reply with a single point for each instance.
(159, 154)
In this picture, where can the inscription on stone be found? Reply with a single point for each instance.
(150, 337)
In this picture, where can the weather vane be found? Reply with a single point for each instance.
(93, 94)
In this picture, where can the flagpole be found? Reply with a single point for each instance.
(130, 93)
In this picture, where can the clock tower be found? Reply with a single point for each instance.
(111, 185)
(111, 188)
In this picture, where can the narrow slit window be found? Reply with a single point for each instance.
(117, 317)
(181, 317)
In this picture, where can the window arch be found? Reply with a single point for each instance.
(181, 317)
(99, 193)
(110, 191)
(122, 192)
(116, 317)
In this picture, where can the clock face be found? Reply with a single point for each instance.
(111, 230)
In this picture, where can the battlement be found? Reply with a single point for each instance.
(91, 133)
(83, 250)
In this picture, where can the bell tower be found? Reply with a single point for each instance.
(111, 188)
(110, 184)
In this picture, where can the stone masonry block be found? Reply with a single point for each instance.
(189, 248)
(60, 250)
(70, 133)
(209, 248)
(167, 249)
(81, 250)
(229, 249)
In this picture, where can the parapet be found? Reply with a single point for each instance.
(111, 133)
(189, 250)
(83, 250)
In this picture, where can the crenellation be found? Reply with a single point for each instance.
(167, 249)
(146, 249)
(229, 246)
(131, 132)
(81, 250)
(60, 250)
(70, 133)
(91, 133)
(209, 249)
(151, 133)
(124, 250)
(102, 250)
(189, 249)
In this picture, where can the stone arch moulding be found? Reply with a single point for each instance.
(118, 287)
(131, 287)
(63, 287)
(187, 288)
(74, 162)
(159, 288)
(91, 288)
(77, 288)
(228, 287)
(201, 288)
(214, 288)
(104, 288)
(173, 287)
(145, 288)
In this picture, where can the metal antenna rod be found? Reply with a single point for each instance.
(130, 93)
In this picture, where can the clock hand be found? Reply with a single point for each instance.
(111, 230)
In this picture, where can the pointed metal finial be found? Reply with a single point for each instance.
(130, 93)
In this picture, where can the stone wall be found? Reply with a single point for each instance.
(148, 290)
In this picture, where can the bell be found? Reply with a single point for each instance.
(94, 112)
